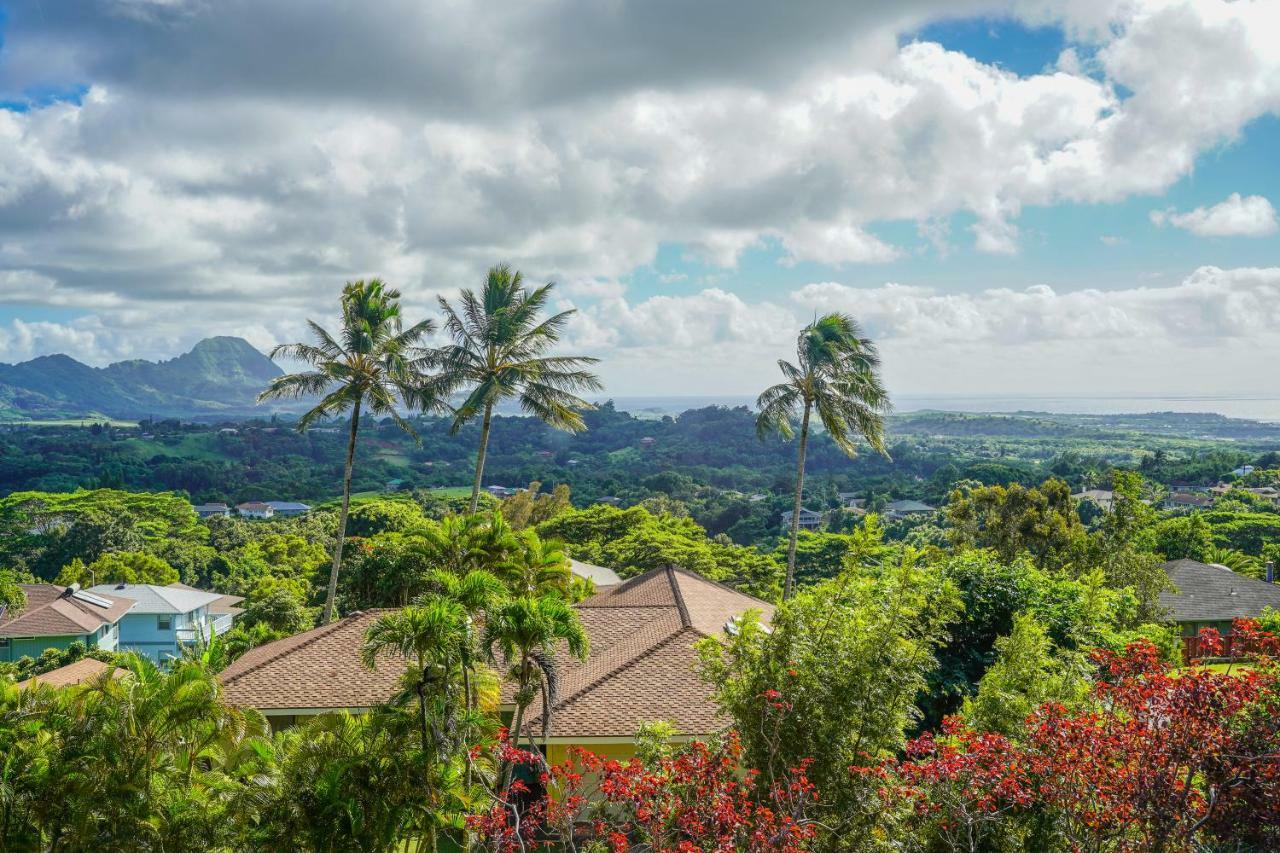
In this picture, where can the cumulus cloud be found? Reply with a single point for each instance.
(236, 162)
(1250, 216)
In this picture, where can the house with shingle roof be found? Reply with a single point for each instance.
(164, 619)
(77, 672)
(641, 667)
(1208, 595)
(57, 616)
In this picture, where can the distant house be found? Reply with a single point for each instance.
(393, 485)
(165, 619)
(228, 431)
(1243, 471)
(212, 510)
(77, 672)
(574, 462)
(1187, 500)
(255, 509)
(288, 508)
(501, 491)
(1102, 498)
(546, 454)
(757, 497)
(850, 500)
(809, 520)
(641, 667)
(610, 500)
(907, 509)
(647, 442)
(1207, 595)
(1267, 493)
(57, 616)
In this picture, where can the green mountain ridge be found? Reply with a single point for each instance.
(220, 375)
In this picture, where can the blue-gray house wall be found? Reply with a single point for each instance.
(148, 634)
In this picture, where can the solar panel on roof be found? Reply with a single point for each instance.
(96, 600)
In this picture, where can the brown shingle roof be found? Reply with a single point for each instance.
(53, 611)
(317, 669)
(85, 669)
(641, 666)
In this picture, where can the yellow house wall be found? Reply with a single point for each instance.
(558, 753)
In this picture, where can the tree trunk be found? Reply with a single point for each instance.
(790, 588)
(332, 595)
(484, 444)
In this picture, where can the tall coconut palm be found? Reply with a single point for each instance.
(372, 363)
(838, 374)
(499, 353)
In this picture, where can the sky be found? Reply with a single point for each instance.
(1013, 197)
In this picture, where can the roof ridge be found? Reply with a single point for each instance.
(316, 634)
(623, 667)
(685, 620)
(721, 584)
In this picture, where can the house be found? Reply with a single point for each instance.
(850, 500)
(598, 575)
(57, 616)
(228, 431)
(223, 610)
(164, 619)
(1187, 500)
(212, 510)
(1268, 493)
(1103, 498)
(285, 509)
(1207, 595)
(641, 667)
(1243, 471)
(609, 500)
(393, 485)
(757, 497)
(255, 509)
(78, 672)
(809, 520)
(500, 491)
(907, 509)
(647, 442)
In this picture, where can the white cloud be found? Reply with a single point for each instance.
(1250, 216)
(239, 174)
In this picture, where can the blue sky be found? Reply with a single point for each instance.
(1076, 198)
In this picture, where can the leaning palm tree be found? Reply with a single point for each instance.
(838, 375)
(499, 352)
(373, 362)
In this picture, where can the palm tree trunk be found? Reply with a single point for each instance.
(790, 588)
(484, 445)
(332, 595)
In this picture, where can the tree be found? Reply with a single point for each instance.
(123, 567)
(835, 679)
(1011, 519)
(12, 597)
(499, 353)
(373, 362)
(837, 374)
(526, 631)
(537, 567)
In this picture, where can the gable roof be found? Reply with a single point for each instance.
(640, 669)
(158, 599)
(220, 605)
(78, 672)
(56, 611)
(909, 506)
(1208, 592)
(316, 670)
(286, 506)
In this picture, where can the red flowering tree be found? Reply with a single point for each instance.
(694, 798)
(1159, 760)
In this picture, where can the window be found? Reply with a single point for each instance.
(164, 622)
(4, 642)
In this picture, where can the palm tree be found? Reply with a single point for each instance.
(837, 374)
(526, 630)
(537, 567)
(499, 352)
(373, 362)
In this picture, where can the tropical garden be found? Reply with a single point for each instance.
(996, 677)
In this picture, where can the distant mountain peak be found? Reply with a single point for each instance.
(221, 374)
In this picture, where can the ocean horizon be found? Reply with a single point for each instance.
(1259, 408)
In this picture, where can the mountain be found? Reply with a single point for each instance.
(218, 376)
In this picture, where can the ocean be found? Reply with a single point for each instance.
(1254, 408)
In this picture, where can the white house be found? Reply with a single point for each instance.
(288, 508)
(255, 509)
(1243, 471)
(212, 510)
(907, 509)
(809, 520)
